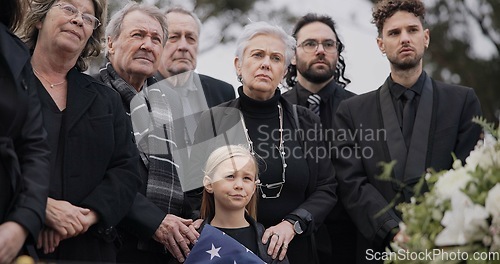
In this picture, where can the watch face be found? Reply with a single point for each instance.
(297, 228)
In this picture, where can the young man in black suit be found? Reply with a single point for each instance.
(317, 70)
(411, 118)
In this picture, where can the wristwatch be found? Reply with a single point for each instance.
(296, 226)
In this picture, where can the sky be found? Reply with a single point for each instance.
(365, 65)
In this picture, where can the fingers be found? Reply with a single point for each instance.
(182, 242)
(265, 237)
(190, 234)
(39, 242)
(174, 249)
(49, 240)
(278, 246)
(197, 224)
(194, 230)
(275, 245)
(64, 217)
(83, 210)
(186, 221)
(46, 245)
(284, 249)
(278, 238)
(53, 242)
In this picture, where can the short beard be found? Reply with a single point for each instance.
(317, 77)
(406, 65)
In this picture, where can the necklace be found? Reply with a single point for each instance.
(51, 84)
(281, 150)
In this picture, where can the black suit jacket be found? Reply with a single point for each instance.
(24, 163)
(216, 91)
(368, 122)
(331, 96)
(338, 222)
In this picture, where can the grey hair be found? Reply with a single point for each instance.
(114, 28)
(182, 10)
(263, 28)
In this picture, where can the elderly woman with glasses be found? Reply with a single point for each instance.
(94, 176)
(298, 186)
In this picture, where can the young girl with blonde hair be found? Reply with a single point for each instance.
(229, 202)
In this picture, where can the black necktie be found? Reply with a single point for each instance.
(314, 100)
(408, 115)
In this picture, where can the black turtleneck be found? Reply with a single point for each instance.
(262, 121)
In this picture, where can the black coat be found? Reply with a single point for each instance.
(24, 164)
(332, 94)
(443, 125)
(338, 223)
(216, 91)
(100, 163)
(138, 227)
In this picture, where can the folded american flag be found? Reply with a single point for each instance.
(214, 246)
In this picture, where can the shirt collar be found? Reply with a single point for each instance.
(397, 89)
(325, 93)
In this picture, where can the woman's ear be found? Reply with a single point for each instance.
(237, 66)
(207, 182)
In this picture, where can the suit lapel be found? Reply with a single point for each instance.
(395, 141)
(412, 163)
(80, 97)
(416, 161)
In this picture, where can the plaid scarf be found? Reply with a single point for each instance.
(153, 129)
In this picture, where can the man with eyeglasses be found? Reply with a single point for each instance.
(316, 76)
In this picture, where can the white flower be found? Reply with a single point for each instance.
(492, 203)
(466, 222)
(484, 155)
(457, 164)
(495, 233)
(489, 140)
(451, 182)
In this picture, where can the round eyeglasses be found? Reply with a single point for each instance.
(310, 46)
(70, 11)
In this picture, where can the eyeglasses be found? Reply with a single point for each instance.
(88, 19)
(277, 186)
(311, 46)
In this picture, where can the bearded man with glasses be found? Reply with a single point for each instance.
(316, 75)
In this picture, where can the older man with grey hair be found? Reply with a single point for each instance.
(197, 92)
(136, 36)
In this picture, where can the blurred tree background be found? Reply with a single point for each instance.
(465, 37)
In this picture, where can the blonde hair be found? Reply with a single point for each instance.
(218, 156)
